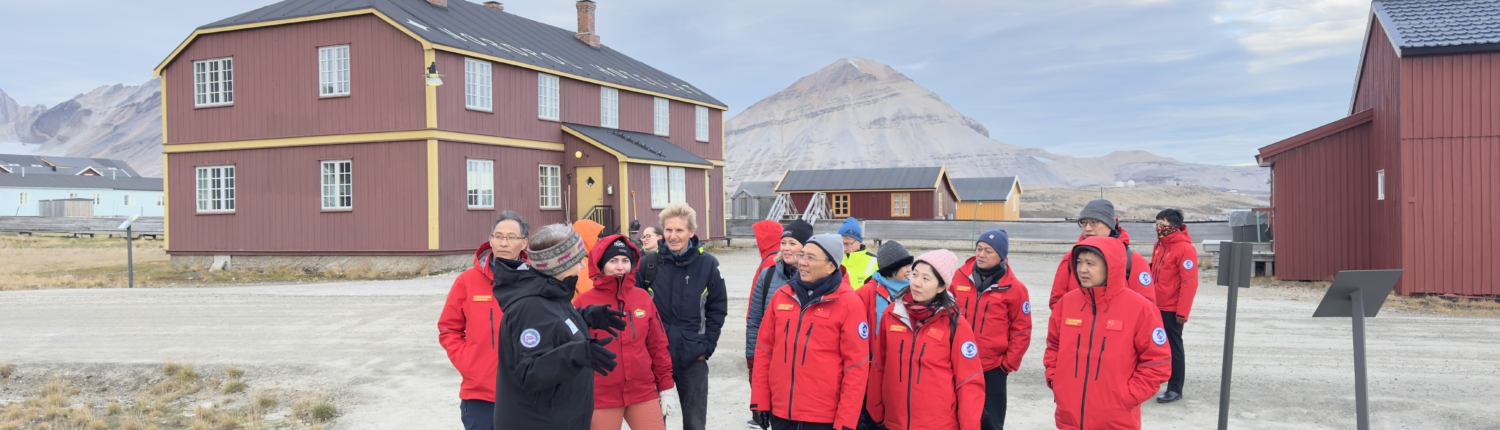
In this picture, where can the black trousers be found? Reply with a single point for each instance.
(477, 414)
(1179, 362)
(780, 424)
(994, 400)
(692, 392)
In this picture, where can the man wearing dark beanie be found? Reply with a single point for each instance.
(1098, 219)
(997, 307)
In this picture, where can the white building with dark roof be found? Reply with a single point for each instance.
(115, 188)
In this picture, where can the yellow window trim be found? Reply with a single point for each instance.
(339, 139)
(894, 214)
(426, 45)
(623, 158)
(833, 203)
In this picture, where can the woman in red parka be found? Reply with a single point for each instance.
(926, 372)
(630, 393)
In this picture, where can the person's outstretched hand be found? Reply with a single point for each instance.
(601, 359)
(601, 317)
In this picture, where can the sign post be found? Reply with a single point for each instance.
(1235, 268)
(129, 250)
(1358, 294)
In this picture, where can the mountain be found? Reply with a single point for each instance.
(859, 113)
(112, 121)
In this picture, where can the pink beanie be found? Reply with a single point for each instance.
(943, 261)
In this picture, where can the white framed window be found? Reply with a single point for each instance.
(661, 117)
(72, 195)
(97, 200)
(338, 184)
(160, 200)
(215, 188)
(609, 107)
(668, 185)
(700, 123)
(25, 199)
(128, 201)
(549, 179)
(546, 97)
(1380, 184)
(481, 184)
(213, 82)
(333, 71)
(478, 91)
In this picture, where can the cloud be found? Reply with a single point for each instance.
(1286, 32)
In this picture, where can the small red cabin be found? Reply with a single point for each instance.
(866, 194)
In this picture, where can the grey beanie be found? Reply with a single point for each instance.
(1101, 210)
(891, 253)
(832, 245)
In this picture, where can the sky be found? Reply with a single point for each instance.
(1206, 81)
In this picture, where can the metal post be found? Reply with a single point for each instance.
(1234, 295)
(1361, 400)
(130, 256)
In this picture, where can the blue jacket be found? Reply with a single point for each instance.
(690, 297)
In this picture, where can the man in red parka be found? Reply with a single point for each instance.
(470, 320)
(630, 392)
(998, 308)
(1098, 220)
(1106, 349)
(1174, 264)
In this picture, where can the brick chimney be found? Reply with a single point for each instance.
(438, 3)
(586, 23)
(495, 5)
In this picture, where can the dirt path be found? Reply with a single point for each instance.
(375, 343)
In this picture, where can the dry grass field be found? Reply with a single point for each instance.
(1137, 203)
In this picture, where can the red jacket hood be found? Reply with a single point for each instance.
(484, 256)
(613, 284)
(1114, 259)
(1180, 236)
(767, 237)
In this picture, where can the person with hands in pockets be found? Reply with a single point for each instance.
(813, 352)
(926, 372)
(1106, 348)
(632, 392)
(998, 307)
(544, 379)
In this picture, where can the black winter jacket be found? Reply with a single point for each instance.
(544, 380)
(689, 295)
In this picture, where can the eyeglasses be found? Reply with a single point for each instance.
(811, 258)
(1089, 223)
(504, 239)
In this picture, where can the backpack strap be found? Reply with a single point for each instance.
(1129, 260)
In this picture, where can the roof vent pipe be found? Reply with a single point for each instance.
(586, 23)
(438, 3)
(495, 5)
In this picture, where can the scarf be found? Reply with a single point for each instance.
(919, 312)
(1163, 232)
(984, 278)
(807, 293)
(892, 288)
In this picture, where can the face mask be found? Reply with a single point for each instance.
(1162, 232)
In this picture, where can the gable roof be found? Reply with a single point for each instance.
(43, 165)
(1310, 136)
(996, 189)
(1420, 27)
(894, 178)
(757, 189)
(80, 182)
(635, 147)
(468, 28)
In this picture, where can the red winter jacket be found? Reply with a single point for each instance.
(811, 360)
(768, 239)
(468, 326)
(1139, 282)
(1174, 266)
(1106, 350)
(926, 376)
(1000, 316)
(645, 365)
(867, 296)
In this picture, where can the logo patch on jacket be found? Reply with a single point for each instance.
(1114, 325)
(1145, 278)
(1187, 264)
(935, 334)
(969, 349)
(640, 313)
(784, 307)
(864, 330)
(1026, 307)
(898, 328)
(963, 288)
(1159, 336)
(1073, 322)
(530, 338)
(822, 312)
(483, 298)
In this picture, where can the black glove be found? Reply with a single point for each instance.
(601, 359)
(600, 317)
(763, 419)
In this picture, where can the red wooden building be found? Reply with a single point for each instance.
(866, 194)
(403, 127)
(1408, 180)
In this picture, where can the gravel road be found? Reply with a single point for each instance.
(375, 345)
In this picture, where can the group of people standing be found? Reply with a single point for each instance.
(837, 337)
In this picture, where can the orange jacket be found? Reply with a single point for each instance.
(999, 314)
(1174, 267)
(812, 359)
